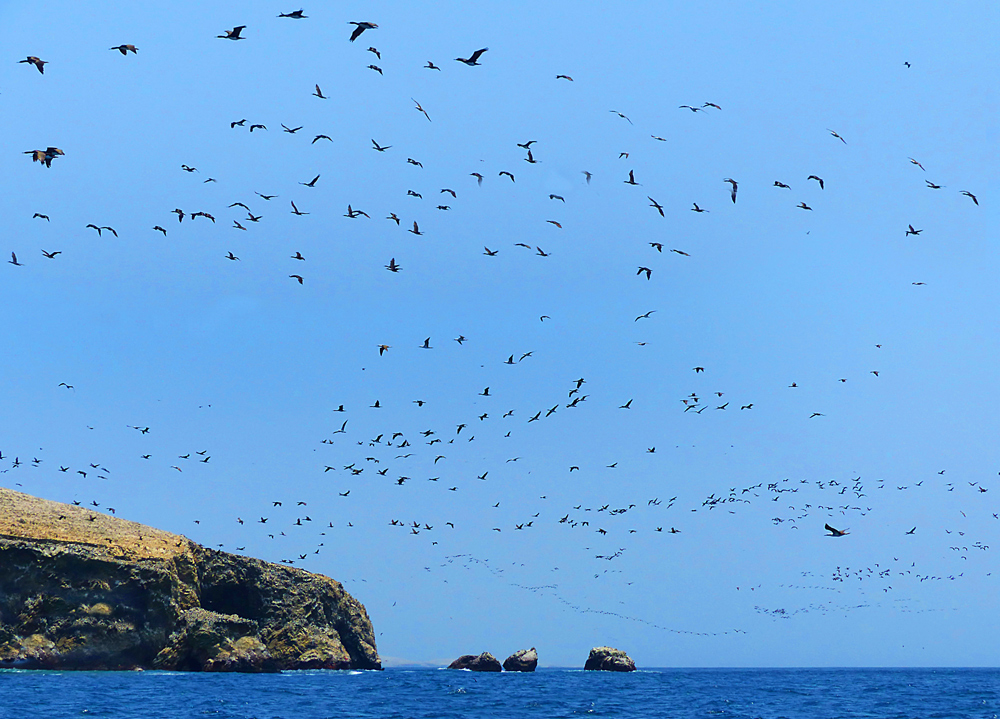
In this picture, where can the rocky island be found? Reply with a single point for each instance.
(82, 590)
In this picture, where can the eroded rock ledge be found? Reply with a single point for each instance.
(81, 590)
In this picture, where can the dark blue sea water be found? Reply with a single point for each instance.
(791, 693)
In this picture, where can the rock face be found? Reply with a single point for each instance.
(485, 662)
(81, 590)
(524, 660)
(609, 659)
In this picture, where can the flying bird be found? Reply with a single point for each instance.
(233, 34)
(421, 109)
(124, 49)
(361, 27)
(473, 59)
(835, 532)
(732, 194)
(32, 60)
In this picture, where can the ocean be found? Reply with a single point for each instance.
(414, 693)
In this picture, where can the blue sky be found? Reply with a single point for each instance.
(238, 360)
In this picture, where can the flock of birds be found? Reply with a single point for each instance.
(403, 450)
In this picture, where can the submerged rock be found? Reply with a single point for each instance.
(81, 590)
(609, 659)
(524, 660)
(485, 662)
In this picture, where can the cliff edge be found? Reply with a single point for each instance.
(82, 590)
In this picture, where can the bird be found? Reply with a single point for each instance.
(932, 186)
(41, 216)
(258, 125)
(818, 179)
(564, 77)
(697, 209)
(647, 270)
(781, 184)
(392, 267)
(319, 93)
(375, 52)
(835, 532)
(732, 194)
(690, 107)
(295, 14)
(804, 206)
(311, 183)
(421, 109)
(473, 59)
(160, 229)
(631, 179)
(380, 148)
(427, 346)
(290, 130)
(504, 172)
(658, 206)
(836, 135)
(233, 34)
(13, 260)
(51, 255)
(360, 28)
(32, 60)
(964, 192)
(376, 68)
(916, 163)
(645, 316)
(621, 116)
(912, 231)
(431, 66)
(416, 229)
(124, 49)
(298, 278)
(295, 210)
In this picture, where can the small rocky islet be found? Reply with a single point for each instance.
(82, 590)
(606, 659)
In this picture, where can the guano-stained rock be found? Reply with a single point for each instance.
(485, 662)
(609, 659)
(81, 590)
(524, 660)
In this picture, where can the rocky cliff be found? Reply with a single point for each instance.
(81, 590)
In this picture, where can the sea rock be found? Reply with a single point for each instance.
(82, 590)
(485, 662)
(609, 659)
(524, 660)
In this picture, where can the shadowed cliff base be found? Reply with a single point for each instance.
(81, 590)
